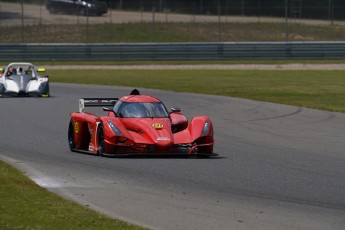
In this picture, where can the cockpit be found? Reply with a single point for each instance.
(20, 69)
(141, 110)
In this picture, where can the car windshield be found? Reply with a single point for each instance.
(20, 69)
(142, 110)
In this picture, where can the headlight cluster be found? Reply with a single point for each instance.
(205, 129)
(115, 129)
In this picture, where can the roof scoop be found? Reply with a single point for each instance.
(135, 92)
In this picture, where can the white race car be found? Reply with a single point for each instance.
(22, 79)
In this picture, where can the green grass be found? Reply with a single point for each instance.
(25, 205)
(3, 64)
(314, 89)
(170, 32)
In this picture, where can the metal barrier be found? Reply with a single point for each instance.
(173, 51)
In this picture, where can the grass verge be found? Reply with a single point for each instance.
(170, 32)
(314, 89)
(3, 64)
(25, 205)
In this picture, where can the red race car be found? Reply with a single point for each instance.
(140, 125)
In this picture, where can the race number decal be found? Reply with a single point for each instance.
(157, 126)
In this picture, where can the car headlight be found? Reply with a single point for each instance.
(205, 129)
(115, 129)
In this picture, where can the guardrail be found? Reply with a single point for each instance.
(172, 51)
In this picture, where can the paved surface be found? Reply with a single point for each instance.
(279, 167)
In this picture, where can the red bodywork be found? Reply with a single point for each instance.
(142, 135)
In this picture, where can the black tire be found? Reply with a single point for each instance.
(71, 141)
(83, 12)
(47, 94)
(100, 140)
(205, 150)
(52, 10)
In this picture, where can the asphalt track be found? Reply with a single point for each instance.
(279, 167)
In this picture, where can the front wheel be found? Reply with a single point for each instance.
(71, 140)
(52, 10)
(84, 12)
(206, 149)
(100, 140)
(47, 94)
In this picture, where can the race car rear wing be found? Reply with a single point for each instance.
(96, 102)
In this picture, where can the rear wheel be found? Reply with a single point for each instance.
(71, 141)
(100, 140)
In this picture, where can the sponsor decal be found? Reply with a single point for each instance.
(157, 126)
(40, 80)
(163, 138)
(91, 148)
(94, 101)
(76, 127)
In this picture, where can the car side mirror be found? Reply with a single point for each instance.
(107, 109)
(176, 110)
(110, 111)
